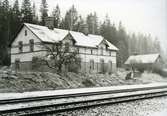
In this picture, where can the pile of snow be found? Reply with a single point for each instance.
(151, 77)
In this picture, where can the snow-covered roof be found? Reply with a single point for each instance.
(144, 59)
(48, 35)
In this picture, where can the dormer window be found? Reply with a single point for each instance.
(25, 33)
(31, 42)
(20, 46)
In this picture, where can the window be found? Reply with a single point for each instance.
(110, 67)
(77, 50)
(25, 32)
(20, 46)
(53, 47)
(102, 69)
(101, 50)
(106, 47)
(91, 51)
(17, 64)
(109, 53)
(31, 42)
(92, 64)
(67, 46)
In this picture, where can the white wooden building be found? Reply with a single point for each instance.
(145, 61)
(94, 50)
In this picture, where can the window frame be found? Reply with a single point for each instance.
(92, 64)
(91, 51)
(31, 44)
(17, 63)
(110, 52)
(25, 32)
(67, 46)
(20, 46)
(101, 51)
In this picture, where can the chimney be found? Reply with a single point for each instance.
(49, 22)
(85, 29)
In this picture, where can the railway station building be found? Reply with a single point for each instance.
(96, 53)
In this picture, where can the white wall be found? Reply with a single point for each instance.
(26, 55)
(86, 56)
(85, 53)
(97, 58)
(21, 37)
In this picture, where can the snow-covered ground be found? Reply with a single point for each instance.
(43, 81)
(76, 91)
(160, 113)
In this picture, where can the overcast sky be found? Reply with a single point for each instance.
(145, 16)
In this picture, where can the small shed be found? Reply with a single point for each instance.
(144, 62)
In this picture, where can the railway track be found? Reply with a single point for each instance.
(74, 100)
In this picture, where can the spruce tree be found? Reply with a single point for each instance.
(44, 11)
(26, 11)
(35, 17)
(56, 15)
(71, 18)
(92, 23)
(5, 5)
(15, 18)
(15, 9)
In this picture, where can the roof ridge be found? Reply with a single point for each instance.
(145, 54)
(58, 34)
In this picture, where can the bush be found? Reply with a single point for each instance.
(88, 83)
(36, 63)
(141, 69)
(73, 68)
(160, 71)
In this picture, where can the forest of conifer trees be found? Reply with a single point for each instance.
(12, 16)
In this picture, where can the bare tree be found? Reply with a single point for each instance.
(59, 55)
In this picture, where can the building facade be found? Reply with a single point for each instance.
(96, 53)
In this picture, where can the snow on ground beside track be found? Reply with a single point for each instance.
(159, 113)
(42, 81)
(151, 77)
(4, 96)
